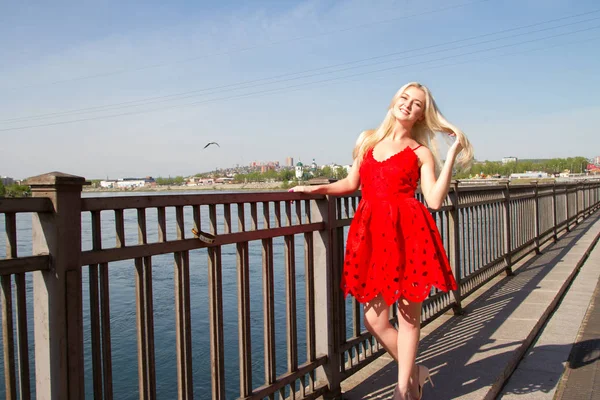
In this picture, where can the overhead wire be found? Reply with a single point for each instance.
(290, 76)
(304, 85)
(242, 49)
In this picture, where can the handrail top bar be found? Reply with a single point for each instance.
(10, 266)
(174, 200)
(25, 205)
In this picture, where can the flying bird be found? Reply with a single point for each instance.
(208, 144)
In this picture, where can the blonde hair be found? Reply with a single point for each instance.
(423, 131)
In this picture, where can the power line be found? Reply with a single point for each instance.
(242, 49)
(255, 82)
(298, 86)
(528, 51)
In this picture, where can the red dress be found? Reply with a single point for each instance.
(393, 245)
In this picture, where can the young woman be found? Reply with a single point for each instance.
(394, 253)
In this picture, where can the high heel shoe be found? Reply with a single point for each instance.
(423, 377)
(398, 396)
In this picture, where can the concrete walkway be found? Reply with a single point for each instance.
(472, 356)
(564, 343)
(581, 379)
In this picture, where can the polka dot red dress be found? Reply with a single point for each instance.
(393, 245)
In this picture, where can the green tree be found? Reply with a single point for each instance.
(340, 173)
(17, 191)
(287, 175)
(2, 190)
(270, 175)
(177, 180)
(551, 166)
(326, 172)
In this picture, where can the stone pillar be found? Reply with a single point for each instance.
(327, 292)
(537, 216)
(554, 213)
(507, 230)
(454, 246)
(57, 298)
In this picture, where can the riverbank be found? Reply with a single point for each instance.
(255, 186)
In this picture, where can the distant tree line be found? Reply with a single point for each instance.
(286, 175)
(14, 190)
(269, 175)
(176, 181)
(551, 166)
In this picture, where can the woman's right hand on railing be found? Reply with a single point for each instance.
(301, 189)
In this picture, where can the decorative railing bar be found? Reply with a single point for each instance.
(22, 340)
(152, 249)
(196, 216)
(119, 232)
(8, 341)
(309, 295)
(227, 218)
(145, 315)
(268, 303)
(10, 380)
(183, 330)
(95, 323)
(215, 307)
(277, 211)
(10, 364)
(244, 337)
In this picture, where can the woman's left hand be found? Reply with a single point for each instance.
(455, 148)
(298, 189)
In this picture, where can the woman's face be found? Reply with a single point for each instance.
(410, 106)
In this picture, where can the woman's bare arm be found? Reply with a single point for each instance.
(435, 190)
(344, 186)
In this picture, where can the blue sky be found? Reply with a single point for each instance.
(271, 79)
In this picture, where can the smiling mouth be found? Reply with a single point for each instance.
(403, 111)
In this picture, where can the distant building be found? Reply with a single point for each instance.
(506, 160)
(333, 166)
(6, 181)
(529, 175)
(196, 181)
(108, 184)
(128, 183)
(593, 169)
(299, 170)
(259, 164)
(289, 162)
(597, 160)
(134, 182)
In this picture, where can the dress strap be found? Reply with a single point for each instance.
(416, 147)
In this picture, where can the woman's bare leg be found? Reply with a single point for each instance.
(377, 321)
(409, 331)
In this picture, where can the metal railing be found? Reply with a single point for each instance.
(300, 245)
